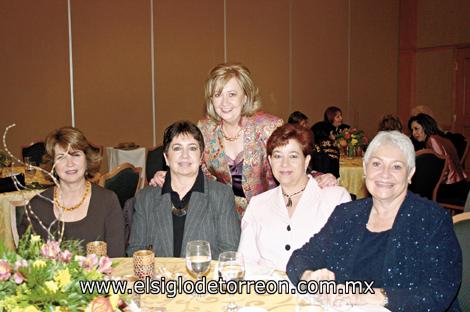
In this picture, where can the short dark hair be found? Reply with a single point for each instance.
(296, 117)
(284, 133)
(330, 113)
(182, 127)
(390, 122)
(427, 122)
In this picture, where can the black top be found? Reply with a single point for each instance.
(179, 221)
(369, 264)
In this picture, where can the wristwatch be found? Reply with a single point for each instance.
(384, 293)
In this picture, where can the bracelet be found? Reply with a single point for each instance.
(384, 293)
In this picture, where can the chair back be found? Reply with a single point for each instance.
(124, 180)
(35, 150)
(429, 173)
(460, 143)
(155, 162)
(462, 230)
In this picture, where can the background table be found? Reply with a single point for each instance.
(212, 303)
(351, 176)
(136, 157)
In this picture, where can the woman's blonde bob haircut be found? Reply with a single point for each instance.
(69, 136)
(218, 78)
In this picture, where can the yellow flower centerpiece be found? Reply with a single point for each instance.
(352, 139)
(43, 277)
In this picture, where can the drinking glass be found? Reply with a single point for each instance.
(29, 170)
(198, 257)
(231, 268)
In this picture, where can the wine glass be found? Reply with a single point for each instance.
(198, 257)
(231, 268)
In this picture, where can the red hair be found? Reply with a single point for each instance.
(283, 134)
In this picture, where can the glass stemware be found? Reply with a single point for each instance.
(231, 267)
(198, 258)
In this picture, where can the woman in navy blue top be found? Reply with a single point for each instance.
(400, 244)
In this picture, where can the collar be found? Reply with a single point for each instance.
(198, 185)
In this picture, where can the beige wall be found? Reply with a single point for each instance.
(305, 55)
(442, 26)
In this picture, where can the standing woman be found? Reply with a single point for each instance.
(236, 132)
(76, 208)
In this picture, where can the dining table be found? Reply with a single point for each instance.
(172, 267)
(351, 176)
(35, 183)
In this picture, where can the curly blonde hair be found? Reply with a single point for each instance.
(218, 78)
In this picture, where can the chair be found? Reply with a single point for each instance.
(453, 196)
(460, 143)
(124, 180)
(429, 173)
(35, 151)
(155, 162)
(462, 230)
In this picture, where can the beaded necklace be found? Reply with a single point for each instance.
(82, 200)
(289, 200)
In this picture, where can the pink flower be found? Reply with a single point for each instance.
(50, 250)
(5, 270)
(18, 277)
(347, 135)
(65, 256)
(21, 264)
(89, 262)
(105, 265)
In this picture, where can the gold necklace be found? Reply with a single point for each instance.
(231, 139)
(289, 200)
(82, 200)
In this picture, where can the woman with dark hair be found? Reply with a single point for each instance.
(298, 118)
(425, 130)
(76, 209)
(390, 122)
(281, 220)
(334, 116)
(188, 206)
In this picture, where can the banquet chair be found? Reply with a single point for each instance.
(462, 230)
(35, 150)
(455, 200)
(429, 174)
(154, 162)
(460, 143)
(124, 180)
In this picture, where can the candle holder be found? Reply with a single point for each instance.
(144, 263)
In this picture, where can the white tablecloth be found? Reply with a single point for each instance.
(135, 156)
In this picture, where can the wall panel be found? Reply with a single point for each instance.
(258, 37)
(34, 78)
(111, 52)
(188, 43)
(319, 56)
(374, 62)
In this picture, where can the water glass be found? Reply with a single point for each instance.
(231, 267)
(198, 257)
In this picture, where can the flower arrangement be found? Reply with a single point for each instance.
(43, 277)
(351, 136)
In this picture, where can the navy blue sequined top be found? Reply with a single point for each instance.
(422, 264)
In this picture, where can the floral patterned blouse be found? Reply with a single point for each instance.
(257, 176)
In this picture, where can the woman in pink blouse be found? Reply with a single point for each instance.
(281, 220)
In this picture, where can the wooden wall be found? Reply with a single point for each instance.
(304, 54)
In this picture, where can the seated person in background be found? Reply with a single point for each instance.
(325, 155)
(188, 206)
(298, 118)
(390, 122)
(281, 220)
(401, 242)
(82, 210)
(424, 129)
(334, 116)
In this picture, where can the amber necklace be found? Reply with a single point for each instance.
(82, 200)
(289, 200)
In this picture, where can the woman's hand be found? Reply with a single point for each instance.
(318, 275)
(326, 180)
(158, 179)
